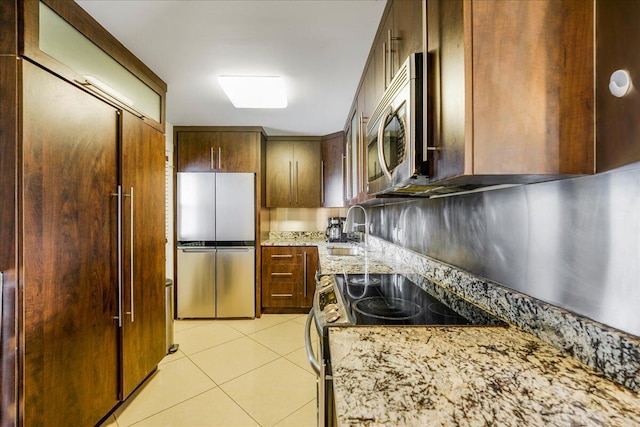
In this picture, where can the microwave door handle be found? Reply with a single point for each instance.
(381, 159)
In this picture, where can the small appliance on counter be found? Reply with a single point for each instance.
(335, 229)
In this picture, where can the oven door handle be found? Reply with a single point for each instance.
(381, 158)
(313, 361)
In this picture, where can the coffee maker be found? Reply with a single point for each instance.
(334, 230)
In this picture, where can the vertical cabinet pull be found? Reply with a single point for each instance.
(304, 264)
(211, 165)
(220, 158)
(119, 258)
(297, 181)
(322, 182)
(384, 64)
(290, 183)
(131, 253)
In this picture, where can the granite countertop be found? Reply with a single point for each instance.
(466, 376)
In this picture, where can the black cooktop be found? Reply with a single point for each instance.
(394, 299)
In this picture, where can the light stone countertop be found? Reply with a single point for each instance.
(467, 376)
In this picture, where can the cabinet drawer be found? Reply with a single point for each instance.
(281, 255)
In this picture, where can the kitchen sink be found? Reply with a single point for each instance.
(345, 250)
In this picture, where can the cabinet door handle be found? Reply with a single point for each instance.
(322, 182)
(297, 182)
(219, 158)
(131, 252)
(290, 182)
(384, 64)
(304, 263)
(361, 156)
(390, 40)
(211, 165)
(281, 274)
(119, 249)
(281, 295)
(282, 256)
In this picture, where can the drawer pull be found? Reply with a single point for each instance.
(281, 274)
(282, 256)
(281, 295)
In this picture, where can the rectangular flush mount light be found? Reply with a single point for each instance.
(254, 91)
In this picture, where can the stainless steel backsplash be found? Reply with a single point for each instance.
(574, 243)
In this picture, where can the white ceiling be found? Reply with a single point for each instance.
(318, 47)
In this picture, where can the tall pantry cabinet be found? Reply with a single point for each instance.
(82, 223)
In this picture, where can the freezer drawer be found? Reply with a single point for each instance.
(235, 278)
(196, 278)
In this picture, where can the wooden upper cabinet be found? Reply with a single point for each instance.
(406, 33)
(618, 130)
(333, 170)
(512, 90)
(293, 175)
(212, 150)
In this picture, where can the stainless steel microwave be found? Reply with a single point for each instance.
(396, 154)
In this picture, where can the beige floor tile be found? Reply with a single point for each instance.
(212, 408)
(172, 357)
(205, 336)
(272, 392)
(182, 325)
(173, 383)
(299, 357)
(230, 360)
(302, 318)
(282, 338)
(250, 326)
(306, 416)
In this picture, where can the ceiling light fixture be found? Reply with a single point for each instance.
(254, 91)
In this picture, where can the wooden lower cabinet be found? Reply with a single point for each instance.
(288, 278)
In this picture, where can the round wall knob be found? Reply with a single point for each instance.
(620, 83)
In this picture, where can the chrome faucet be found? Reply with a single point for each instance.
(365, 223)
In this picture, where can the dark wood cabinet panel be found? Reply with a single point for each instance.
(406, 32)
(293, 175)
(307, 158)
(218, 151)
(618, 129)
(69, 213)
(288, 277)
(539, 125)
(143, 178)
(333, 170)
(279, 173)
(8, 235)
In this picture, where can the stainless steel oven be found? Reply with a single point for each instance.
(396, 152)
(378, 299)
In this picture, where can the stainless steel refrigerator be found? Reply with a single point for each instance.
(216, 245)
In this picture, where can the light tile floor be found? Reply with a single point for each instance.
(229, 373)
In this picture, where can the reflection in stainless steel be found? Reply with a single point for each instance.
(574, 243)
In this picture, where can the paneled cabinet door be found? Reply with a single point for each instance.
(333, 170)
(69, 214)
(307, 158)
(143, 180)
(218, 151)
(293, 173)
(618, 127)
